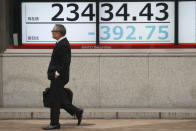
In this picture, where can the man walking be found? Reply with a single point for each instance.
(58, 73)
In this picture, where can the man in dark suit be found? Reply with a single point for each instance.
(58, 73)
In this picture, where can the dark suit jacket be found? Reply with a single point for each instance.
(60, 62)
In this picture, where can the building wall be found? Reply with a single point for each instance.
(5, 36)
(99, 78)
(2, 43)
(105, 78)
(1, 83)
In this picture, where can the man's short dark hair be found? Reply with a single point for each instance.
(61, 29)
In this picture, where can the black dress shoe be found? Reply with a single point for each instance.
(79, 117)
(51, 127)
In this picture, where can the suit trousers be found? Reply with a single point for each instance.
(55, 109)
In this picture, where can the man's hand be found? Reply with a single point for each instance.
(56, 75)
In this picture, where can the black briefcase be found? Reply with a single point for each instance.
(46, 98)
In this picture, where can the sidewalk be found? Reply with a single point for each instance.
(102, 125)
(102, 113)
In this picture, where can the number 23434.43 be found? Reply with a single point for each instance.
(109, 13)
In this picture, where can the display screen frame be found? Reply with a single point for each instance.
(174, 45)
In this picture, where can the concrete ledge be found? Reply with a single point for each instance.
(102, 113)
(103, 52)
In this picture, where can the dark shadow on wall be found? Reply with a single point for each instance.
(5, 35)
(2, 46)
(9, 22)
(15, 20)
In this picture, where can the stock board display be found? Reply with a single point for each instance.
(119, 22)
